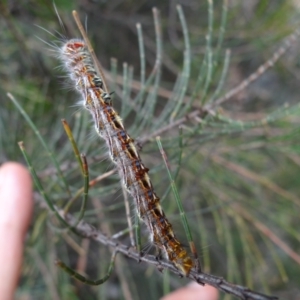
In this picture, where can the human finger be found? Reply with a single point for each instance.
(15, 212)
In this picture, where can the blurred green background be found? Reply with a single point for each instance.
(239, 171)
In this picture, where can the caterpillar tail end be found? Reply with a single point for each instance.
(184, 265)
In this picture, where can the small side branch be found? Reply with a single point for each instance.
(261, 70)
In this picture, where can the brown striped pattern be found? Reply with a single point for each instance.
(123, 153)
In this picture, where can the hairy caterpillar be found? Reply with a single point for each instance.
(124, 154)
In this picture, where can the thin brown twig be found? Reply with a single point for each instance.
(83, 257)
(69, 165)
(170, 126)
(260, 71)
(267, 232)
(254, 177)
(70, 241)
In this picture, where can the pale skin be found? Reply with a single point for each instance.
(15, 214)
(16, 204)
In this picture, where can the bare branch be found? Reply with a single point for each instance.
(88, 231)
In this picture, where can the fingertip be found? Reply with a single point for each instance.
(15, 195)
(194, 291)
(207, 292)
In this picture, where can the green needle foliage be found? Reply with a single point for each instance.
(230, 129)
